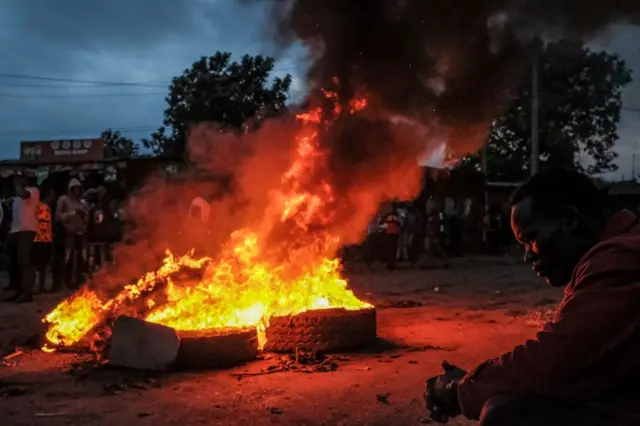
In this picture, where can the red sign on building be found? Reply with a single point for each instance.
(62, 151)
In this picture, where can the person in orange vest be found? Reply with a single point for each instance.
(393, 228)
(43, 242)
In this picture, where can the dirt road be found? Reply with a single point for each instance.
(464, 314)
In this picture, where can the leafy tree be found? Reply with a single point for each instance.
(116, 145)
(234, 95)
(159, 142)
(580, 102)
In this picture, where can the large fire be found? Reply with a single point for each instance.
(250, 281)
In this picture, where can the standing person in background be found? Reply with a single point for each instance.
(127, 212)
(5, 229)
(393, 229)
(456, 228)
(373, 245)
(43, 242)
(417, 232)
(435, 230)
(403, 240)
(118, 220)
(198, 231)
(200, 209)
(21, 235)
(72, 213)
(494, 235)
(102, 228)
(58, 249)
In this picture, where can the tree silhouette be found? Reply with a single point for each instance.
(116, 145)
(236, 96)
(580, 102)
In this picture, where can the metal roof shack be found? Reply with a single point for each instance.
(126, 173)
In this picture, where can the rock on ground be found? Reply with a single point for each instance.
(143, 345)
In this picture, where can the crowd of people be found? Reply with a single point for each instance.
(404, 233)
(68, 234)
(71, 234)
(395, 235)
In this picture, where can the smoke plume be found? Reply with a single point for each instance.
(431, 71)
(448, 65)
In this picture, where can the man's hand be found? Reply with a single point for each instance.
(453, 372)
(441, 394)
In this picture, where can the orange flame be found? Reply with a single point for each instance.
(250, 281)
(72, 319)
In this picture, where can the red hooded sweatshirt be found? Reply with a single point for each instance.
(590, 352)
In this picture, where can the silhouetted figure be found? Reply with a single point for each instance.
(392, 230)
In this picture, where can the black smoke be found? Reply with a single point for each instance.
(448, 62)
(433, 71)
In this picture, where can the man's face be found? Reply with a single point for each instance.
(76, 191)
(20, 181)
(551, 244)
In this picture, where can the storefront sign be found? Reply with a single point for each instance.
(62, 151)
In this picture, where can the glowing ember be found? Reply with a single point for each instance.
(254, 278)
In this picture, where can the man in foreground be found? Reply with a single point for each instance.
(583, 368)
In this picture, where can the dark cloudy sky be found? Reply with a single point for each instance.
(150, 41)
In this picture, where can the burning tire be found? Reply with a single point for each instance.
(216, 349)
(330, 330)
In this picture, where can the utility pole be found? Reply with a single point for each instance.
(535, 110)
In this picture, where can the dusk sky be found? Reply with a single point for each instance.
(149, 42)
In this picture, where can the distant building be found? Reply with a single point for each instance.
(623, 194)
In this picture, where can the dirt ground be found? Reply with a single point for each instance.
(475, 309)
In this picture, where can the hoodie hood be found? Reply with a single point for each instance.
(73, 183)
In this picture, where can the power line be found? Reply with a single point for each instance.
(84, 95)
(630, 109)
(99, 95)
(108, 83)
(73, 80)
(53, 86)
